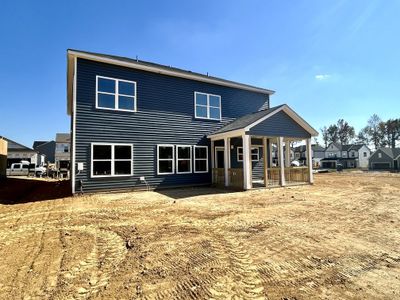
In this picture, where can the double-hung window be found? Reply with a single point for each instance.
(200, 159)
(183, 159)
(111, 160)
(165, 159)
(207, 106)
(255, 154)
(115, 94)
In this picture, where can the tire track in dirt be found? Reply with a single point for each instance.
(217, 267)
(88, 276)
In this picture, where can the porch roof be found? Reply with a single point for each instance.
(266, 124)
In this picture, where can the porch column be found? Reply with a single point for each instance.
(281, 160)
(287, 154)
(212, 160)
(270, 153)
(227, 152)
(265, 161)
(309, 161)
(246, 162)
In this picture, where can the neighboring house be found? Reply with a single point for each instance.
(47, 148)
(138, 124)
(349, 156)
(318, 153)
(18, 152)
(385, 159)
(62, 155)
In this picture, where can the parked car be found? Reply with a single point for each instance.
(24, 168)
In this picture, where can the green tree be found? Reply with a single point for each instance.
(345, 132)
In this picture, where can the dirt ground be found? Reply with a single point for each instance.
(337, 239)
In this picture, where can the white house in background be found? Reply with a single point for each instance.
(349, 156)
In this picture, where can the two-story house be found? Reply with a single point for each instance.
(136, 124)
(62, 155)
(349, 156)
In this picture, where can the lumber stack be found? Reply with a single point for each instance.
(3, 158)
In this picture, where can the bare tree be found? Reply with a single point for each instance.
(363, 136)
(325, 135)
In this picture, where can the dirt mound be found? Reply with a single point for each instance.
(22, 190)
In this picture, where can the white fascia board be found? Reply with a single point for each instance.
(228, 134)
(163, 71)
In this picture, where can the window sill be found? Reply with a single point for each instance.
(110, 176)
(207, 119)
(113, 109)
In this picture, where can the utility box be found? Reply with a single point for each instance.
(3, 158)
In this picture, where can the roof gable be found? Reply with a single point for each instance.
(258, 121)
(14, 146)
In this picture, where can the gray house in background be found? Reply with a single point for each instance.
(46, 148)
(385, 159)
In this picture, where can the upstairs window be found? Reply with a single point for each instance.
(365, 154)
(200, 159)
(111, 160)
(183, 159)
(115, 94)
(207, 106)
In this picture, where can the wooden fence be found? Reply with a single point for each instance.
(296, 175)
(218, 177)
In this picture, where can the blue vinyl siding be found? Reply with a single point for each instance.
(280, 124)
(165, 115)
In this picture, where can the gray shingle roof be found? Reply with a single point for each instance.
(169, 68)
(14, 146)
(393, 153)
(246, 120)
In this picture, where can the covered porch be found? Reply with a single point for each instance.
(254, 151)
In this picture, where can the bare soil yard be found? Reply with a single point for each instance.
(337, 239)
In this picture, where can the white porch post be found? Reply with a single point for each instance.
(270, 153)
(309, 161)
(265, 161)
(246, 162)
(212, 160)
(281, 160)
(287, 154)
(227, 152)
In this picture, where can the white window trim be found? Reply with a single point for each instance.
(165, 159)
(116, 94)
(195, 159)
(252, 148)
(207, 106)
(190, 159)
(112, 160)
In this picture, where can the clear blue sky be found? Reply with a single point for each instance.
(326, 59)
